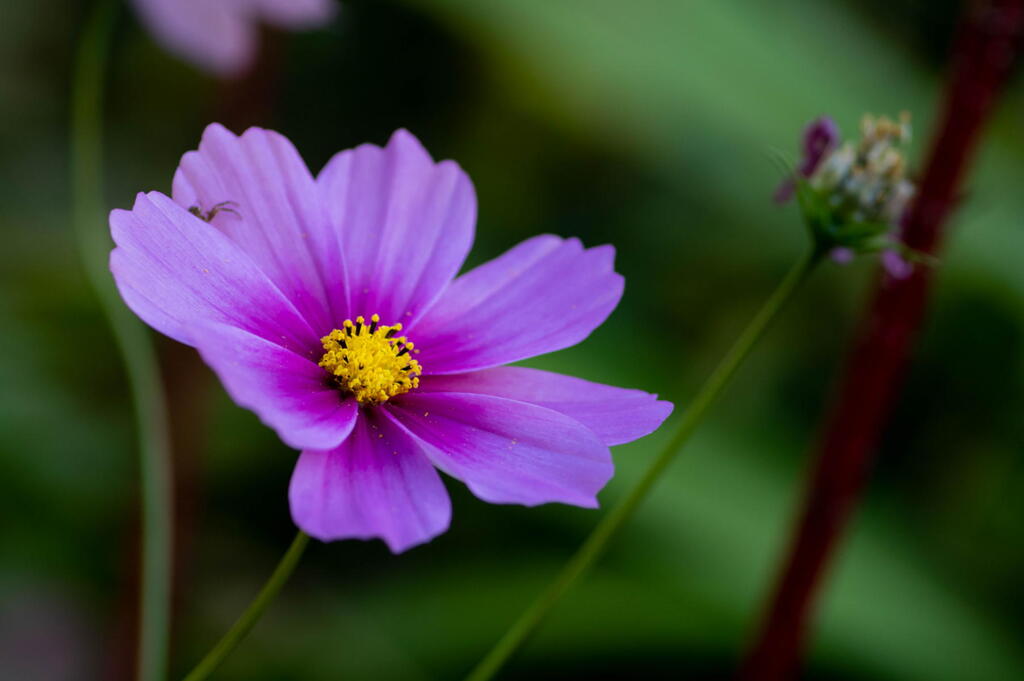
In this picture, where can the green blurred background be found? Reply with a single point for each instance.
(648, 124)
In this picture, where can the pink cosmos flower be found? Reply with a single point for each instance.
(221, 35)
(330, 306)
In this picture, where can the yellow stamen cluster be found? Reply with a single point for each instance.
(370, 360)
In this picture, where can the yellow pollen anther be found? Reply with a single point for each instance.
(370, 360)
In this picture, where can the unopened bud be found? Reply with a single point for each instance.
(854, 197)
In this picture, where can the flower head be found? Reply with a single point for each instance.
(330, 306)
(854, 195)
(221, 35)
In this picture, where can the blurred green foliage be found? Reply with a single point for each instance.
(648, 124)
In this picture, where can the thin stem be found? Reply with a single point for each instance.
(252, 614)
(595, 544)
(131, 337)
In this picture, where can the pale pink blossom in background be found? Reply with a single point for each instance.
(222, 36)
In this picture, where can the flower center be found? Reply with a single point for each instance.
(370, 361)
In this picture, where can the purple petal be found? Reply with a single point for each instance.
(784, 192)
(507, 452)
(221, 35)
(841, 255)
(177, 272)
(616, 415)
(820, 136)
(377, 483)
(289, 392)
(543, 295)
(406, 225)
(276, 215)
(896, 265)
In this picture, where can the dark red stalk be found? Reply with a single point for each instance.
(984, 52)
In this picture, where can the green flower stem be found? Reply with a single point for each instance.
(613, 521)
(248, 619)
(132, 339)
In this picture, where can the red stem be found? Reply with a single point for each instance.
(985, 49)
